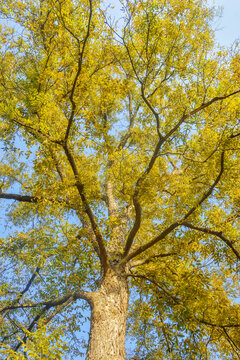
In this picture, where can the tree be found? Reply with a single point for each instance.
(120, 145)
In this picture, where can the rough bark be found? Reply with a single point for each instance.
(108, 318)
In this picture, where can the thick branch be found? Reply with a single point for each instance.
(136, 226)
(63, 178)
(62, 302)
(58, 310)
(58, 165)
(30, 327)
(197, 110)
(86, 225)
(234, 136)
(137, 222)
(47, 304)
(224, 329)
(132, 117)
(111, 202)
(36, 132)
(232, 343)
(29, 198)
(27, 287)
(23, 198)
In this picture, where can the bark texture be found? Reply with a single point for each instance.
(108, 319)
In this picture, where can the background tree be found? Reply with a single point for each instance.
(120, 149)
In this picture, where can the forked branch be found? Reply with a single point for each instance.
(173, 226)
(161, 141)
(59, 304)
(151, 243)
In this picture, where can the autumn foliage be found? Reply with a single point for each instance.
(119, 175)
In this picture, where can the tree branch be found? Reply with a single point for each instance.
(155, 113)
(197, 110)
(59, 309)
(219, 234)
(137, 206)
(154, 241)
(141, 179)
(150, 258)
(207, 322)
(62, 302)
(234, 346)
(52, 303)
(48, 304)
(164, 233)
(30, 327)
(132, 117)
(86, 225)
(95, 228)
(29, 198)
(234, 136)
(136, 226)
(36, 132)
(146, 278)
(80, 61)
(58, 165)
(27, 287)
(22, 198)
(210, 190)
(224, 328)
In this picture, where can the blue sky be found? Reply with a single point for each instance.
(229, 23)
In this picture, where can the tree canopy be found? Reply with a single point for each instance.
(120, 154)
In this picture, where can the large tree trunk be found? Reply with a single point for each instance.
(108, 319)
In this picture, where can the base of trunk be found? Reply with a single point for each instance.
(108, 319)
